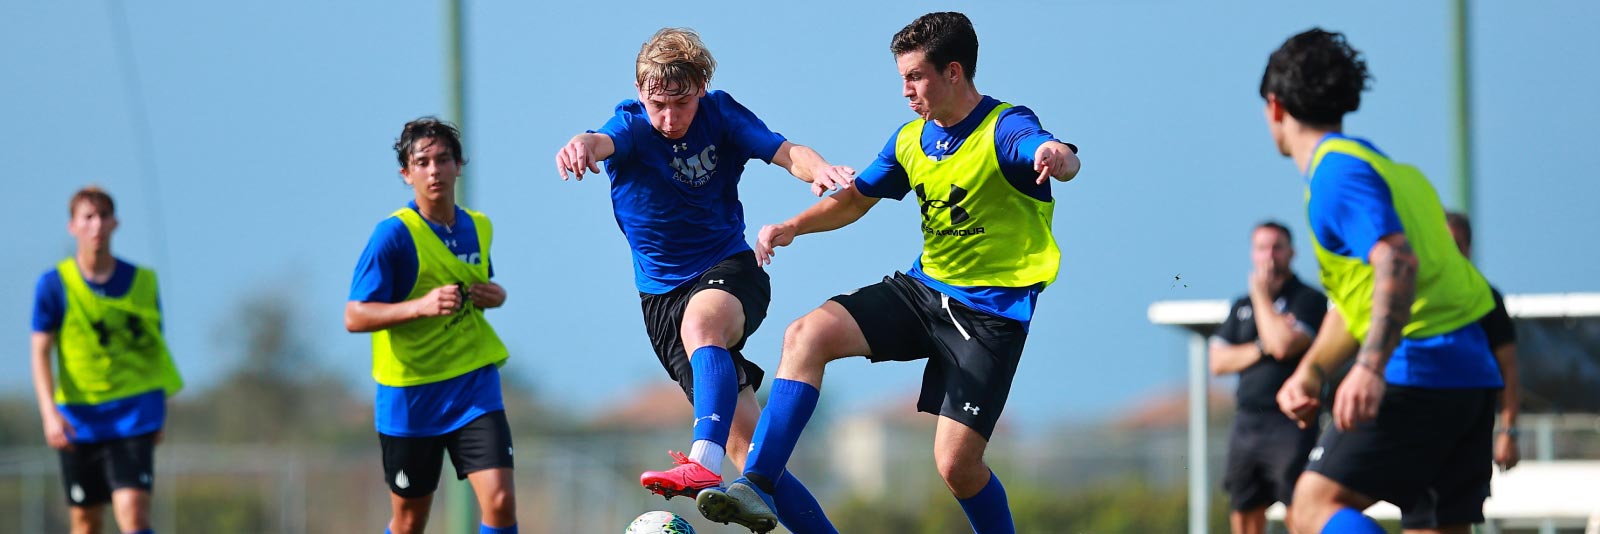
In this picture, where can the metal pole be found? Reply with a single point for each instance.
(455, 90)
(458, 494)
(1463, 105)
(1199, 421)
(1545, 451)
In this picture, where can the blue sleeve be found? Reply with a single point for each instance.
(1017, 137)
(1351, 207)
(617, 128)
(884, 177)
(745, 129)
(49, 302)
(388, 267)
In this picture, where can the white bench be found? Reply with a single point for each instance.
(1565, 493)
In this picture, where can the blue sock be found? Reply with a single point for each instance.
(1350, 521)
(716, 393)
(988, 511)
(788, 409)
(797, 509)
(486, 529)
(145, 531)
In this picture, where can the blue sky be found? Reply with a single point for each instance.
(270, 128)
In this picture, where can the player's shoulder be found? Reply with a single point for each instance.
(391, 232)
(49, 280)
(1243, 301)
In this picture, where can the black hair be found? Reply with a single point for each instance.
(1275, 225)
(944, 37)
(1460, 223)
(1317, 77)
(428, 128)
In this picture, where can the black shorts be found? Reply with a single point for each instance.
(972, 355)
(411, 465)
(91, 471)
(740, 276)
(1429, 453)
(1266, 454)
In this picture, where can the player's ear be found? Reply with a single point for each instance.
(1274, 108)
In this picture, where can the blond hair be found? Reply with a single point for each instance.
(674, 62)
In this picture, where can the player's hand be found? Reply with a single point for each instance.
(577, 157)
(1358, 397)
(827, 178)
(1051, 161)
(57, 431)
(1298, 397)
(487, 295)
(1506, 454)
(771, 237)
(443, 300)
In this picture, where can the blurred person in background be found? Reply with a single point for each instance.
(1266, 332)
(106, 402)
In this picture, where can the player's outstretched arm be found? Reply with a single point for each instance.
(1394, 286)
(1054, 159)
(57, 431)
(830, 213)
(1333, 345)
(375, 316)
(583, 154)
(809, 166)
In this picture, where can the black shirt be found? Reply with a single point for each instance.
(1497, 324)
(1259, 383)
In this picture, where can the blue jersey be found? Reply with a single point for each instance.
(386, 272)
(126, 417)
(1351, 209)
(1017, 137)
(677, 200)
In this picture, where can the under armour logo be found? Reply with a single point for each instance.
(1316, 454)
(680, 147)
(400, 481)
(968, 407)
(713, 417)
(716, 282)
(942, 144)
(958, 214)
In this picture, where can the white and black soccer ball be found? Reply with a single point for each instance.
(659, 522)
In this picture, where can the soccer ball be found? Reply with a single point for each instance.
(659, 522)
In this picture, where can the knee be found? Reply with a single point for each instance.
(965, 475)
(805, 338)
(501, 503)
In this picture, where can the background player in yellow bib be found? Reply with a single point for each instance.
(421, 287)
(980, 169)
(106, 401)
(1412, 419)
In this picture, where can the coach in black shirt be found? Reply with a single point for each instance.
(1262, 339)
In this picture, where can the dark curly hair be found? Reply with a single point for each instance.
(944, 37)
(1317, 77)
(426, 128)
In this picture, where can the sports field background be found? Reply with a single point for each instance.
(248, 148)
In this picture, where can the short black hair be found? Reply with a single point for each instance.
(944, 37)
(1460, 223)
(426, 128)
(1275, 225)
(1317, 77)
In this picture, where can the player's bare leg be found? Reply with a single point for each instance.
(410, 515)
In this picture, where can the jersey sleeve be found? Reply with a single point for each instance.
(884, 177)
(620, 129)
(1351, 207)
(388, 267)
(745, 129)
(1497, 325)
(1232, 329)
(49, 302)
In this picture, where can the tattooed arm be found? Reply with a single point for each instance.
(1394, 286)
